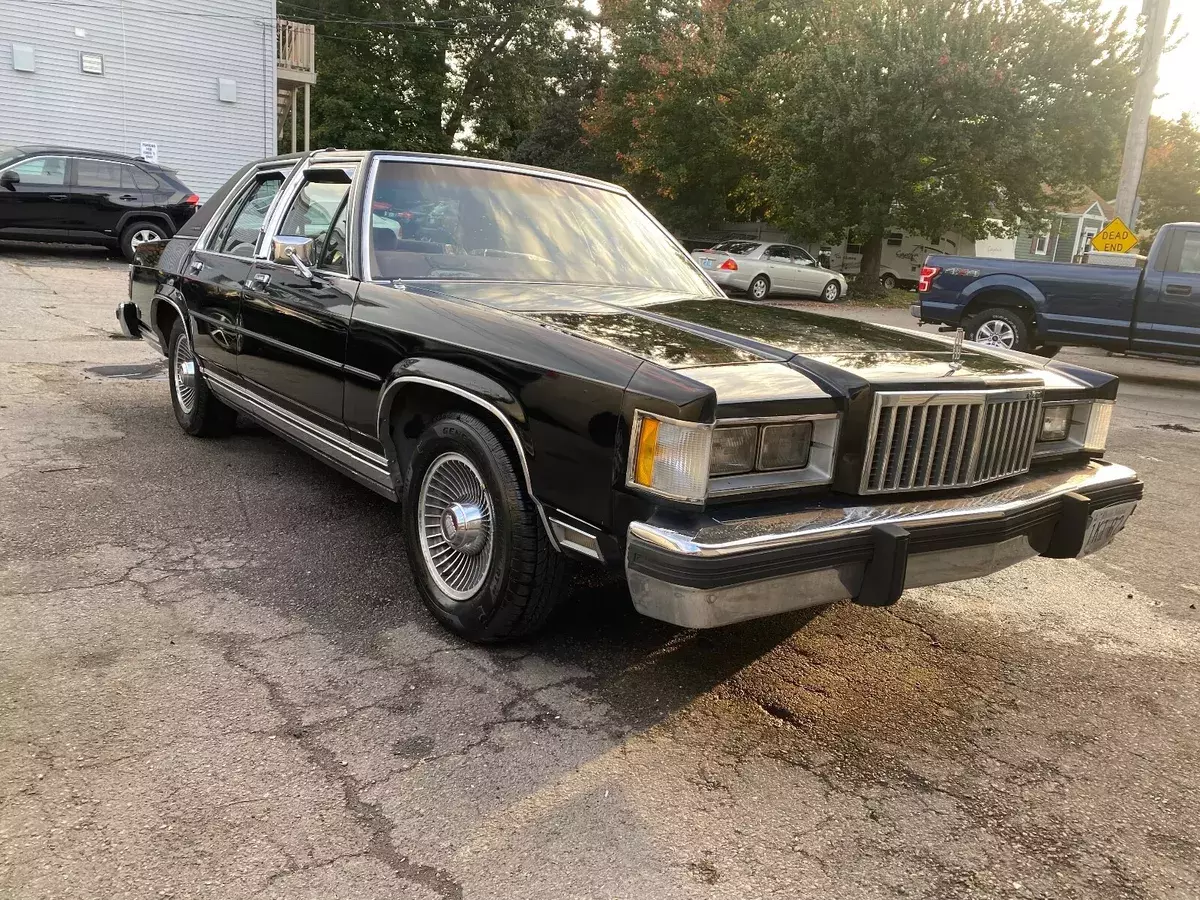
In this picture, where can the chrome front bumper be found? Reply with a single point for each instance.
(726, 568)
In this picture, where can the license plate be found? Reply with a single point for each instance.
(707, 263)
(1104, 524)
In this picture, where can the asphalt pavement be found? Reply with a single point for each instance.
(217, 681)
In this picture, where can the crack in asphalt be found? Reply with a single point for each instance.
(370, 816)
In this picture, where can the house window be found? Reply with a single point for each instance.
(1041, 243)
(895, 239)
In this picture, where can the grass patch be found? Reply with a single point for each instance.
(893, 299)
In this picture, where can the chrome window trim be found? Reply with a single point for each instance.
(201, 245)
(288, 192)
(383, 434)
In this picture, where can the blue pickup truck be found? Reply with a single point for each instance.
(1039, 307)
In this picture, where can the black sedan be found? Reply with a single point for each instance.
(537, 371)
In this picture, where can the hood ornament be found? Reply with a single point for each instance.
(956, 356)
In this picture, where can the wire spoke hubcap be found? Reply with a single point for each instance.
(456, 525)
(996, 333)
(185, 375)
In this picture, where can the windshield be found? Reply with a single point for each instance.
(463, 223)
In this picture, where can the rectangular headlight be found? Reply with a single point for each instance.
(733, 450)
(1056, 423)
(1098, 422)
(785, 446)
(669, 457)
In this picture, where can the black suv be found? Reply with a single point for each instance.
(89, 197)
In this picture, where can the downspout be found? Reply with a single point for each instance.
(124, 79)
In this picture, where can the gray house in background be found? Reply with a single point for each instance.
(198, 86)
(1069, 232)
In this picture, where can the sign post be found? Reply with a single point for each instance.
(1115, 237)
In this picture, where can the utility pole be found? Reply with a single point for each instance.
(1155, 14)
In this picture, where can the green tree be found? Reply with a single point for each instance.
(1170, 186)
(946, 115)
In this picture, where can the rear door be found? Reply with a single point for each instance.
(102, 192)
(37, 206)
(296, 327)
(1168, 308)
(217, 272)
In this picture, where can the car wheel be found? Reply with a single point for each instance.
(481, 559)
(197, 409)
(140, 233)
(999, 327)
(832, 292)
(888, 281)
(760, 287)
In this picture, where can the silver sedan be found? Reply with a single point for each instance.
(762, 269)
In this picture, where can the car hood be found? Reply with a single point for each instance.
(682, 332)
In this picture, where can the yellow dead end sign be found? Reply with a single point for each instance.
(1115, 238)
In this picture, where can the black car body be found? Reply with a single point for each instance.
(61, 195)
(537, 370)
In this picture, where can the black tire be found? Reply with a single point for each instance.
(996, 326)
(136, 233)
(760, 288)
(832, 292)
(522, 579)
(888, 280)
(199, 413)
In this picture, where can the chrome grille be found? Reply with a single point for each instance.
(926, 441)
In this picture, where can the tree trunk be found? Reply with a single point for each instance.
(872, 256)
(866, 283)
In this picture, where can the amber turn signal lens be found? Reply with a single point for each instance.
(647, 446)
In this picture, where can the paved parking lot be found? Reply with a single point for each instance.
(216, 681)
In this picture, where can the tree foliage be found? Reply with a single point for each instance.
(820, 117)
(1170, 186)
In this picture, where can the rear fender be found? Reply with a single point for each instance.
(1004, 290)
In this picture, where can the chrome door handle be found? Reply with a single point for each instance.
(1179, 290)
(259, 279)
(57, 197)
(197, 265)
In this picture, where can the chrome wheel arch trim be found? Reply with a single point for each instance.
(383, 419)
(180, 310)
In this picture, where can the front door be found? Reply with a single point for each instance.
(1168, 309)
(809, 277)
(296, 325)
(217, 273)
(37, 205)
(778, 260)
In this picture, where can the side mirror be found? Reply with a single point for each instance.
(9, 178)
(293, 250)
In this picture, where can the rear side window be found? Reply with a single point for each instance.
(1189, 259)
(238, 232)
(99, 173)
(143, 181)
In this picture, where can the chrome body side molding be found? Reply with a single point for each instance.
(363, 466)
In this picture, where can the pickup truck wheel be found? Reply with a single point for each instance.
(481, 560)
(197, 410)
(760, 287)
(140, 233)
(999, 327)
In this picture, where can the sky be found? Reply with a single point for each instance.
(1179, 70)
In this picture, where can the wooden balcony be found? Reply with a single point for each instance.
(295, 53)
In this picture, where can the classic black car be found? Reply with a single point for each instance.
(536, 370)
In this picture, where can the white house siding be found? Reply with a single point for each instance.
(162, 61)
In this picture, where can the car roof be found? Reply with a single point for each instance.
(37, 149)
